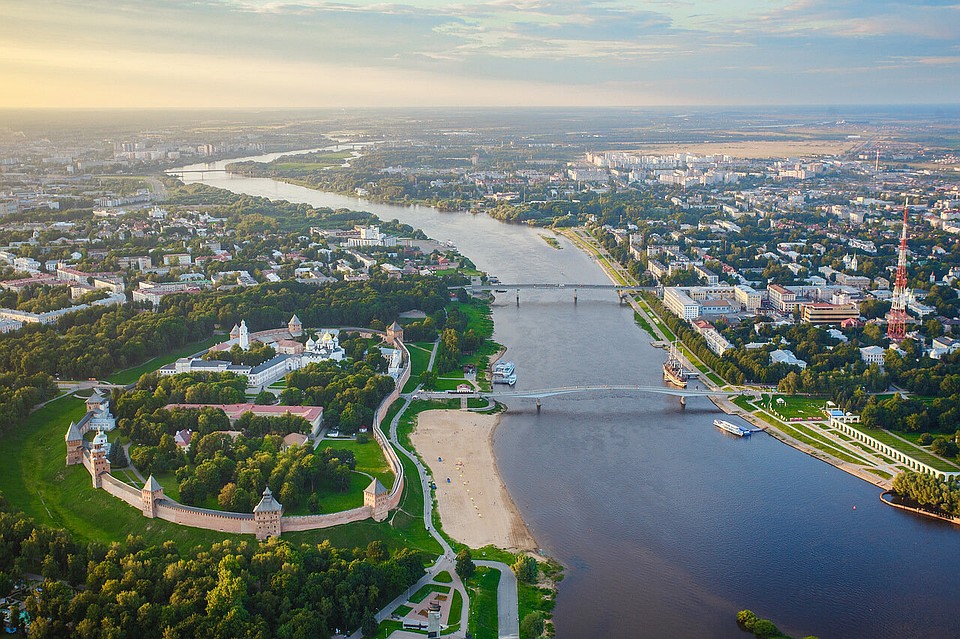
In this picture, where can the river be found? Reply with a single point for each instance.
(668, 526)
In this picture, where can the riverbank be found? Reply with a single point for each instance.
(474, 504)
(616, 274)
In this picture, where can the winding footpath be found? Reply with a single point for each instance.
(508, 612)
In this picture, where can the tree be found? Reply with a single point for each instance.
(118, 457)
(531, 626)
(265, 398)
(370, 626)
(765, 629)
(525, 568)
(465, 565)
(790, 384)
(428, 379)
(747, 619)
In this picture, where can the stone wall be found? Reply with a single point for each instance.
(87, 461)
(314, 522)
(243, 523)
(237, 523)
(122, 490)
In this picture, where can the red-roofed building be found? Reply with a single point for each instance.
(313, 414)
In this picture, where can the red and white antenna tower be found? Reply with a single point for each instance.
(897, 317)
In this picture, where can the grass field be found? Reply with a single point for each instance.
(456, 608)
(37, 482)
(369, 457)
(130, 375)
(443, 577)
(426, 590)
(419, 358)
(793, 407)
(908, 449)
(482, 587)
(645, 325)
(388, 627)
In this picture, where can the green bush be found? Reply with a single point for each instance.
(531, 626)
(747, 619)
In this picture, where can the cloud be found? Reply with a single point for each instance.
(318, 50)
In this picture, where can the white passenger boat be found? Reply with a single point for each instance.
(733, 429)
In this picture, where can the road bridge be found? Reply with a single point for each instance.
(539, 394)
(621, 289)
(179, 172)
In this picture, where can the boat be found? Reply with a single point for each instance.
(504, 373)
(673, 371)
(506, 368)
(733, 429)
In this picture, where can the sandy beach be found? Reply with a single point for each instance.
(474, 506)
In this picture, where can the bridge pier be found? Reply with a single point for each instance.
(538, 406)
(574, 297)
(683, 402)
(621, 295)
(518, 298)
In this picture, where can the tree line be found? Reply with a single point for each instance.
(233, 589)
(926, 490)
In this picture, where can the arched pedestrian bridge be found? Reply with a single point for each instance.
(539, 394)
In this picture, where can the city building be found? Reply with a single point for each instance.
(825, 313)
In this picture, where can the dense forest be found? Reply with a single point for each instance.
(241, 589)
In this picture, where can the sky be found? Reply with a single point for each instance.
(343, 53)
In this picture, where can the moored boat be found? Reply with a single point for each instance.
(673, 371)
(733, 429)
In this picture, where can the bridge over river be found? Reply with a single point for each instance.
(539, 394)
(622, 290)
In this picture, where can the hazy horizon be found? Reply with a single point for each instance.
(278, 54)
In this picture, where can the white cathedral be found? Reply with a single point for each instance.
(319, 350)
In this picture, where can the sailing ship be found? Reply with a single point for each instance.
(673, 371)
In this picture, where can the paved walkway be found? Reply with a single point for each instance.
(508, 606)
(508, 612)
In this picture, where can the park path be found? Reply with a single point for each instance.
(508, 612)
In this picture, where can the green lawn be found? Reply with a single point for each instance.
(388, 627)
(419, 358)
(456, 608)
(443, 577)
(645, 325)
(908, 449)
(426, 590)
(171, 488)
(808, 437)
(37, 481)
(130, 375)
(794, 406)
(483, 602)
(445, 384)
(369, 456)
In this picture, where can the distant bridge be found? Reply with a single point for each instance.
(555, 287)
(622, 290)
(180, 174)
(541, 393)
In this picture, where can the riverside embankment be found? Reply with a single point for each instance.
(667, 526)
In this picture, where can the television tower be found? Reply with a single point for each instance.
(897, 317)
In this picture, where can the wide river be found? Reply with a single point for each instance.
(666, 525)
